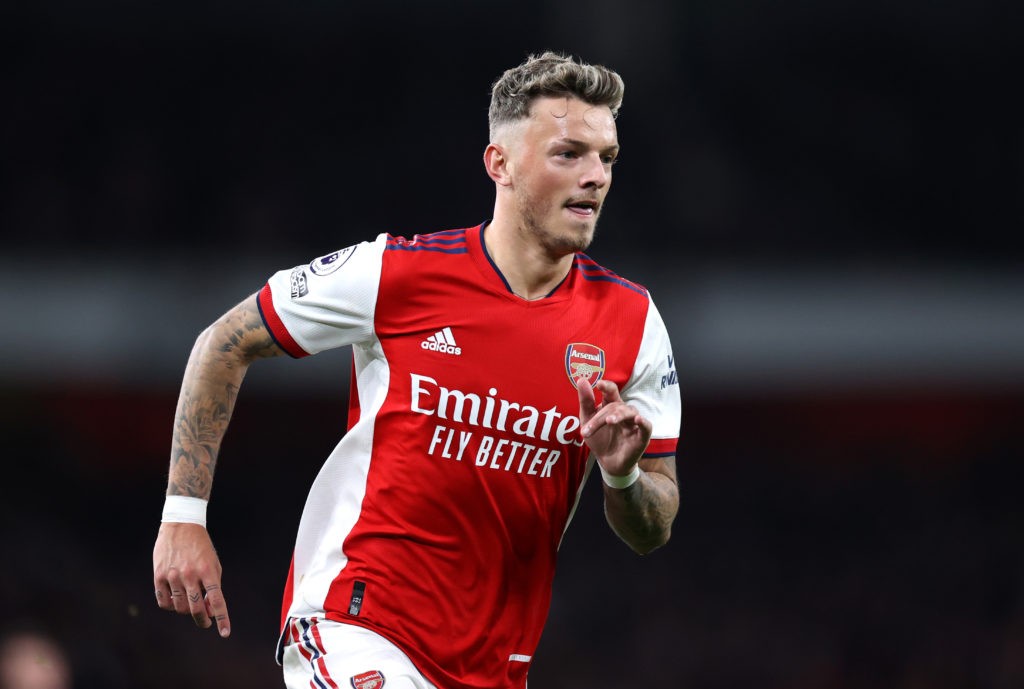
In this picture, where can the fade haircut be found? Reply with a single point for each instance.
(546, 75)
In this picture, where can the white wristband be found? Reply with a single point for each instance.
(182, 509)
(620, 482)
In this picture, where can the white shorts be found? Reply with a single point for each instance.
(323, 654)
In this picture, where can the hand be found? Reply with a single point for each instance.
(613, 430)
(186, 573)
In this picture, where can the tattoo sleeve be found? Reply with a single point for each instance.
(642, 514)
(219, 360)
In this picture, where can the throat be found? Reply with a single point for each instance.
(533, 296)
(527, 268)
(538, 288)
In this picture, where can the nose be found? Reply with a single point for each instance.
(595, 172)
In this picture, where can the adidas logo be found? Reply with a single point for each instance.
(442, 341)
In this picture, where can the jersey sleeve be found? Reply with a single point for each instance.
(653, 388)
(326, 304)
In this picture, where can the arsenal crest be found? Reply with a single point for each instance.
(584, 362)
(368, 680)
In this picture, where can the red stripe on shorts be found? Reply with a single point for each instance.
(321, 663)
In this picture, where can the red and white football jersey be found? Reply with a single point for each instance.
(436, 520)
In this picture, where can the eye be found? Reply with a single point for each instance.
(568, 155)
(609, 159)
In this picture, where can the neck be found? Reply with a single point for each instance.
(531, 271)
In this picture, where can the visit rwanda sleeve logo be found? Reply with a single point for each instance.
(670, 378)
(584, 362)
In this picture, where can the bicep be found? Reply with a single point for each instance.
(241, 334)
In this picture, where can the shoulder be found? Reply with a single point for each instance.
(596, 276)
(442, 242)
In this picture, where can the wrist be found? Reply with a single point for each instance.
(620, 482)
(183, 509)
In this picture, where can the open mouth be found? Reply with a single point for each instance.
(583, 207)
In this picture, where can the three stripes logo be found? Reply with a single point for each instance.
(442, 341)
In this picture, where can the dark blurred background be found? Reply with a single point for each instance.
(826, 200)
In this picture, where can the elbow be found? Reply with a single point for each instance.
(209, 344)
(652, 542)
(202, 343)
(220, 342)
(204, 337)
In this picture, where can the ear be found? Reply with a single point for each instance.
(496, 163)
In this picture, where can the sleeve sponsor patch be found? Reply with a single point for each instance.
(670, 378)
(298, 283)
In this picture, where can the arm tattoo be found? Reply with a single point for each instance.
(218, 363)
(642, 514)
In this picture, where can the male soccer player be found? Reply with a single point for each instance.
(492, 366)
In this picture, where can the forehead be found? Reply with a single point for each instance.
(571, 118)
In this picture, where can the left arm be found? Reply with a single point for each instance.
(642, 513)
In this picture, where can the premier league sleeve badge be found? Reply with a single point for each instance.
(325, 265)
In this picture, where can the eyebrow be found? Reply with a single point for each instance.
(584, 144)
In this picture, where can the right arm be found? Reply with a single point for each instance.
(186, 570)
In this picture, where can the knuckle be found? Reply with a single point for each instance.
(204, 568)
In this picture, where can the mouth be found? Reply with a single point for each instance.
(585, 208)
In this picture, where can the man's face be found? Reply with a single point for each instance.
(561, 168)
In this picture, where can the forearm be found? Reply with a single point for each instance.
(216, 367)
(642, 514)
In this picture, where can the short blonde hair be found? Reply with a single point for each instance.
(551, 74)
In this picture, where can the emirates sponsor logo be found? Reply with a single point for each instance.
(519, 438)
(490, 411)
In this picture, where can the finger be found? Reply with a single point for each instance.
(178, 599)
(197, 607)
(646, 427)
(610, 391)
(588, 402)
(618, 414)
(642, 427)
(161, 589)
(163, 595)
(598, 421)
(217, 609)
